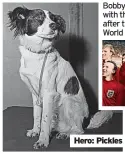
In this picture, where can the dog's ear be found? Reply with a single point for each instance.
(61, 24)
(17, 19)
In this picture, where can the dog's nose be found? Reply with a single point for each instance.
(53, 26)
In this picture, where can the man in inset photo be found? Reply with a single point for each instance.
(108, 53)
(113, 91)
(122, 70)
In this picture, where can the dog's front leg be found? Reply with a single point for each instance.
(37, 106)
(49, 100)
(37, 115)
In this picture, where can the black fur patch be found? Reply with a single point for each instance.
(25, 21)
(59, 21)
(34, 20)
(72, 86)
(17, 22)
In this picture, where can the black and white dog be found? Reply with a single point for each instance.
(58, 99)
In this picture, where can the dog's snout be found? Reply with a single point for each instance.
(53, 26)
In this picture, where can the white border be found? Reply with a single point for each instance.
(1, 77)
(99, 58)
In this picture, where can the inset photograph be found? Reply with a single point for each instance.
(113, 72)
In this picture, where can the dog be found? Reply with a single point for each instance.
(59, 103)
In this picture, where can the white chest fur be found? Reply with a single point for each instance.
(31, 65)
(30, 62)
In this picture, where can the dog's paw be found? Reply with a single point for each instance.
(62, 136)
(41, 144)
(32, 133)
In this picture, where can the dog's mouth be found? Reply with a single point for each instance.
(52, 32)
(51, 35)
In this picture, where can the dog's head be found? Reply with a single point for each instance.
(37, 22)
